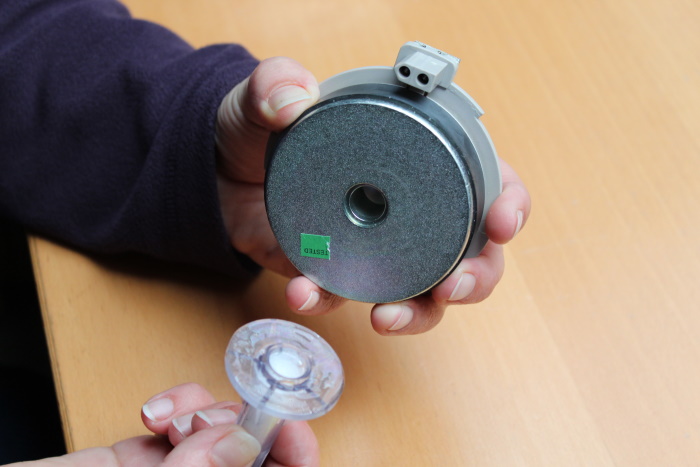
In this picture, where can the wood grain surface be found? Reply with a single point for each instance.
(586, 354)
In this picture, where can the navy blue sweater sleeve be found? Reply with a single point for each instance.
(107, 131)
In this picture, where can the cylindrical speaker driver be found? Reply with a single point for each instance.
(377, 191)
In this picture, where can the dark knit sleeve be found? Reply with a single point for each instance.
(107, 131)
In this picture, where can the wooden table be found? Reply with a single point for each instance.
(587, 353)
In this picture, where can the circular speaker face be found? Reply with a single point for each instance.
(371, 198)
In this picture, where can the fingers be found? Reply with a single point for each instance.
(414, 316)
(231, 446)
(243, 208)
(218, 414)
(510, 210)
(187, 410)
(221, 446)
(158, 412)
(295, 445)
(474, 278)
(204, 417)
(472, 281)
(305, 297)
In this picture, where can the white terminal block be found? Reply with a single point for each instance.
(424, 68)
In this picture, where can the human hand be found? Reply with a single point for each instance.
(200, 432)
(277, 92)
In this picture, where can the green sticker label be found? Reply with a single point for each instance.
(315, 246)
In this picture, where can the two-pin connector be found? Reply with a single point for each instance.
(424, 68)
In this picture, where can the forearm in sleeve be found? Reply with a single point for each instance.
(107, 131)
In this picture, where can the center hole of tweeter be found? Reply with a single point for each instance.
(366, 205)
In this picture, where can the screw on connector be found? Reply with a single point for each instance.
(424, 68)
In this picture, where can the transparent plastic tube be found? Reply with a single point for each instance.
(282, 371)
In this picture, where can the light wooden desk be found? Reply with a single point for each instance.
(587, 354)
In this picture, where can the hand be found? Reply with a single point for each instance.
(200, 432)
(277, 92)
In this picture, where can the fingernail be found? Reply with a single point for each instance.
(236, 449)
(286, 95)
(217, 416)
(394, 317)
(464, 287)
(519, 225)
(204, 417)
(159, 409)
(184, 424)
(310, 302)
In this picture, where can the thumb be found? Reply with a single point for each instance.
(279, 90)
(270, 99)
(219, 446)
